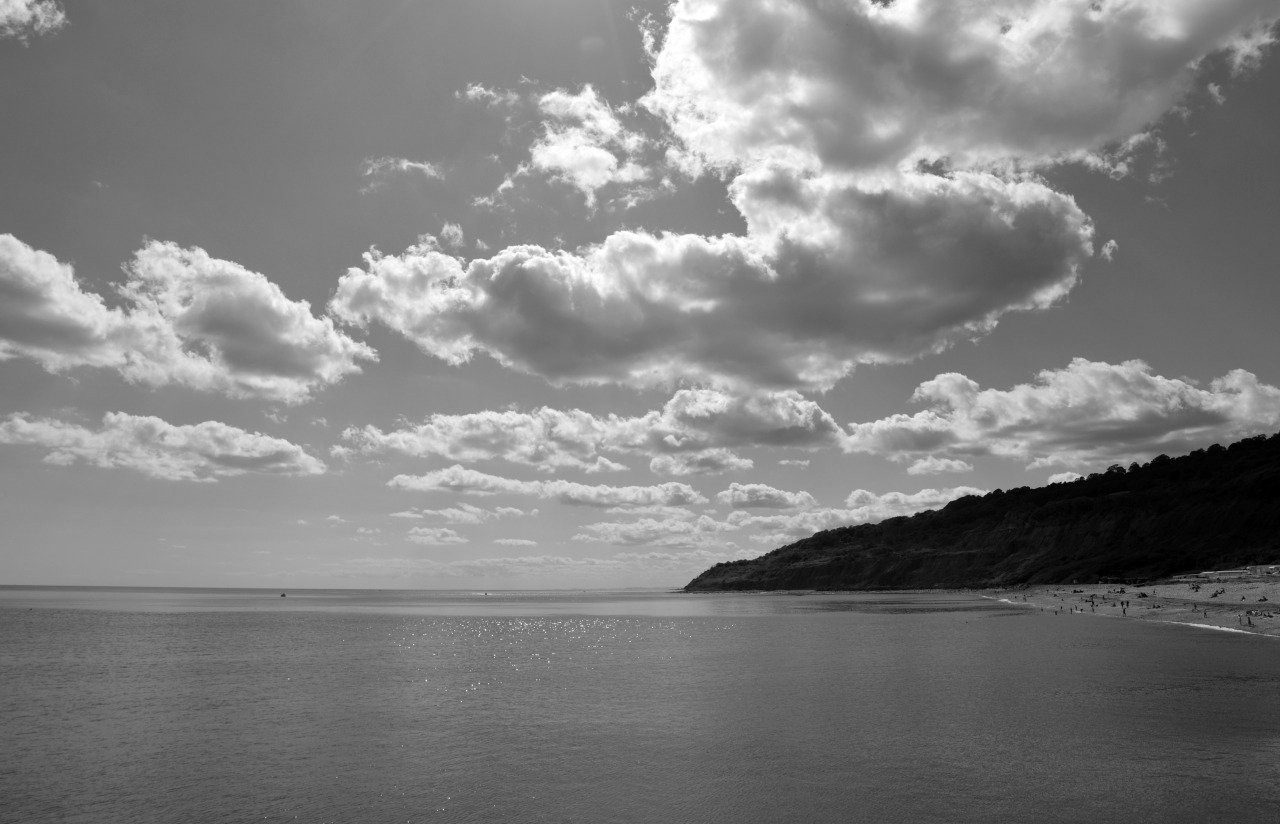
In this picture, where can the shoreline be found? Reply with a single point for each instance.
(1244, 605)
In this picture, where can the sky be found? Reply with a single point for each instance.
(592, 294)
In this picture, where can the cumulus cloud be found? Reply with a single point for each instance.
(706, 462)
(699, 419)
(24, 19)
(452, 236)
(468, 481)
(692, 434)
(1088, 413)
(932, 464)
(546, 438)
(188, 319)
(584, 144)
(515, 542)
(883, 157)
(200, 452)
(865, 85)
(749, 496)
(434, 536)
(798, 313)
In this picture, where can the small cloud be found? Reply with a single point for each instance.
(707, 462)
(336, 519)
(434, 536)
(379, 170)
(748, 496)
(794, 462)
(452, 236)
(1109, 249)
(1064, 477)
(515, 542)
(933, 465)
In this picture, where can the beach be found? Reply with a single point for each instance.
(1233, 604)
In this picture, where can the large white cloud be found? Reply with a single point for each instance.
(197, 452)
(468, 481)
(1087, 413)
(879, 154)
(23, 19)
(188, 319)
(868, 86)
(693, 433)
(786, 312)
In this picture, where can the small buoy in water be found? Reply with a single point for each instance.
(282, 595)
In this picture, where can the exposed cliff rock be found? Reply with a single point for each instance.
(1213, 509)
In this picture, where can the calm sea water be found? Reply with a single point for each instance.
(344, 706)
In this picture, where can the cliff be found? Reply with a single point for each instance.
(1212, 509)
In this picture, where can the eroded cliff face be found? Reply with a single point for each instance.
(1214, 508)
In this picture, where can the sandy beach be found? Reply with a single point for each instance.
(1234, 604)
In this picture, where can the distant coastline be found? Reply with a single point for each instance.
(1213, 509)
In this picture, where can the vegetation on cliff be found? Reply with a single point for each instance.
(1212, 509)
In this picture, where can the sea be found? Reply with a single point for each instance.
(201, 705)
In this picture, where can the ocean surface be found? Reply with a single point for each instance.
(181, 705)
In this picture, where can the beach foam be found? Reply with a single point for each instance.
(1211, 626)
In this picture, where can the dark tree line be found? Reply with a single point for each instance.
(1211, 509)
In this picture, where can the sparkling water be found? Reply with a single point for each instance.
(350, 706)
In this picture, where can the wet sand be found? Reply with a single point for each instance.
(1241, 604)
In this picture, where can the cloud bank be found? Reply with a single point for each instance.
(1088, 413)
(468, 481)
(694, 433)
(883, 157)
(199, 452)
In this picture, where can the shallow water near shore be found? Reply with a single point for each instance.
(346, 706)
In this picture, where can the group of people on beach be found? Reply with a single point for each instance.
(1124, 604)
